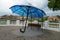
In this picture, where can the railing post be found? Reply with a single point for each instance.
(8, 22)
(25, 22)
(46, 24)
(59, 25)
(17, 22)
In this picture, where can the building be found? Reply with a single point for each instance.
(53, 18)
(17, 21)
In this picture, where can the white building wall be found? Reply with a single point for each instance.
(17, 23)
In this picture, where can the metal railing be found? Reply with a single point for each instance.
(51, 26)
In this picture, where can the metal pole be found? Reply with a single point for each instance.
(26, 20)
(42, 24)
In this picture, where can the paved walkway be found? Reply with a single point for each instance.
(6, 34)
(28, 33)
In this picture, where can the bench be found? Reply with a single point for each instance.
(34, 25)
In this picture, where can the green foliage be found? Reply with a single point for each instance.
(58, 16)
(54, 21)
(10, 17)
(2, 21)
(31, 20)
(40, 19)
(54, 4)
(4, 15)
(43, 19)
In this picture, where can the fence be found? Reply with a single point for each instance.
(12, 23)
(51, 26)
(46, 25)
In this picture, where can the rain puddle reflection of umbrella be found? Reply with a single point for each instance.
(27, 11)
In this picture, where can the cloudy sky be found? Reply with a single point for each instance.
(41, 4)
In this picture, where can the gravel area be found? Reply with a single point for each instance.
(6, 34)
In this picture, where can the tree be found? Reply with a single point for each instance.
(54, 4)
(4, 15)
(58, 16)
(10, 17)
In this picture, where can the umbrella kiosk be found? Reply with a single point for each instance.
(27, 11)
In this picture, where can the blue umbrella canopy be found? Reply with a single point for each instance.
(27, 11)
(23, 10)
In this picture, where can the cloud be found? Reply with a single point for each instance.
(41, 4)
(4, 6)
(50, 12)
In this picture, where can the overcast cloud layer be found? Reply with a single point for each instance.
(41, 4)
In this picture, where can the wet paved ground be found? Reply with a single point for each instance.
(6, 34)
